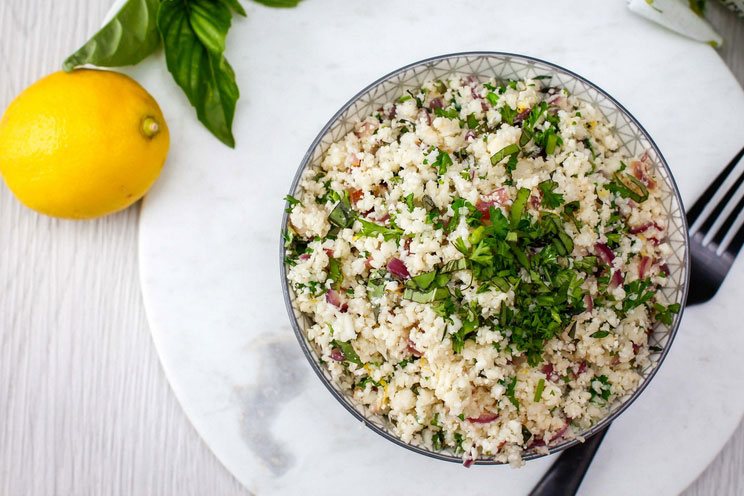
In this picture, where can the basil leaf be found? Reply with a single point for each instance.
(126, 39)
(423, 281)
(518, 207)
(205, 76)
(502, 154)
(600, 334)
(347, 350)
(235, 5)
(279, 3)
(342, 215)
(425, 296)
(210, 22)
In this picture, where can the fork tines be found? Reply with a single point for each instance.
(716, 219)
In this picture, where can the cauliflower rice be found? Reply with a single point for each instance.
(479, 264)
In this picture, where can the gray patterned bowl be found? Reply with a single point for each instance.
(484, 65)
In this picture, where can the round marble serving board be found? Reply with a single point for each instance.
(209, 239)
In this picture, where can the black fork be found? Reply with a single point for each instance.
(716, 223)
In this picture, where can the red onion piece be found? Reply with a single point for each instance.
(366, 129)
(636, 348)
(485, 418)
(665, 269)
(522, 115)
(423, 115)
(398, 268)
(643, 266)
(640, 171)
(412, 349)
(305, 256)
(604, 253)
(329, 252)
(470, 135)
(436, 103)
(468, 462)
(384, 218)
(368, 262)
(617, 279)
(536, 443)
(561, 432)
(640, 229)
(547, 369)
(333, 298)
(580, 370)
(588, 302)
(337, 355)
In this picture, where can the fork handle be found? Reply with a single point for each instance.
(565, 475)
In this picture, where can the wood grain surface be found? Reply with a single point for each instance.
(86, 407)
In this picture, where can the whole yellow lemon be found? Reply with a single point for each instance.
(82, 144)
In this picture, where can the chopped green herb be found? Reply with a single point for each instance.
(550, 199)
(539, 390)
(347, 350)
(510, 384)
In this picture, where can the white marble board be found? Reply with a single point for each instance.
(209, 238)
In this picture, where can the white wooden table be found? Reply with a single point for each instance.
(87, 409)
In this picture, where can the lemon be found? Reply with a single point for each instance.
(83, 144)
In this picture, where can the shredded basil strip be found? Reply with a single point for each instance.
(518, 206)
(503, 153)
(348, 351)
(628, 186)
(425, 296)
(454, 266)
(550, 144)
(539, 390)
(600, 334)
(342, 215)
(524, 138)
(423, 281)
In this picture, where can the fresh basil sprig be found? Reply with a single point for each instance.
(193, 35)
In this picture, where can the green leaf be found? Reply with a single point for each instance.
(502, 154)
(342, 215)
(550, 199)
(425, 296)
(372, 230)
(443, 161)
(518, 206)
(334, 273)
(283, 4)
(423, 281)
(205, 76)
(235, 5)
(600, 334)
(510, 384)
(348, 351)
(126, 39)
(210, 21)
(539, 390)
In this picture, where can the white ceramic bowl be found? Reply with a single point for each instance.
(485, 65)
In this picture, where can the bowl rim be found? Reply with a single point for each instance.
(526, 456)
